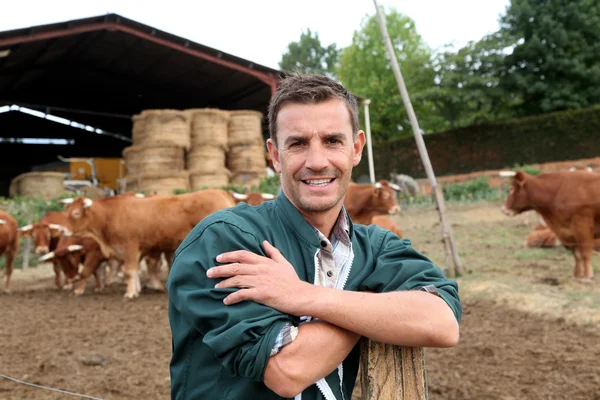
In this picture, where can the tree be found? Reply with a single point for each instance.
(364, 69)
(309, 56)
(466, 85)
(555, 63)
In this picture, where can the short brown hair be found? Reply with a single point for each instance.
(309, 89)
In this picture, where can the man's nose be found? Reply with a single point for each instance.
(317, 158)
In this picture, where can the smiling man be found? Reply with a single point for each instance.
(269, 302)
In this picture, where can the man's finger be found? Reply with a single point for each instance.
(240, 256)
(240, 295)
(273, 253)
(228, 270)
(238, 281)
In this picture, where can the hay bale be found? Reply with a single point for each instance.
(157, 182)
(245, 128)
(139, 124)
(207, 159)
(247, 179)
(171, 126)
(48, 185)
(201, 180)
(209, 126)
(154, 157)
(246, 158)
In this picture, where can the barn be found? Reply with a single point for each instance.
(70, 89)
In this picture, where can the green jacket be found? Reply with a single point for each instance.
(221, 352)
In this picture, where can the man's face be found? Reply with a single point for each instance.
(315, 153)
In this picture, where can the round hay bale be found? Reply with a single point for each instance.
(48, 185)
(207, 159)
(201, 180)
(159, 183)
(154, 157)
(209, 126)
(139, 124)
(247, 178)
(247, 158)
(171, 126)
(245, 128)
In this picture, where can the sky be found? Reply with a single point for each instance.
(260, 30)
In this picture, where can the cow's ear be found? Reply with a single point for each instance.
(520, 178)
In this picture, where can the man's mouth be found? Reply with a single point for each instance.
(318, 182)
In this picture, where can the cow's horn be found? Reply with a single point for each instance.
(67, 201)
(378, 185)
(55, 226)
(26, 228)
(87, 202)
(47, 257)
(267, 196)
(2, 222)
(239, 196)
(140, 195)
(507, 173)
(395, 187)
(74, 247)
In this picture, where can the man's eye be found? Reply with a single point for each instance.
(296, 144)
(333, 141)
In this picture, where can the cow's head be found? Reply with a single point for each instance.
(42, 234)
(383, 198)
(252, 198)
(518, 199)
(68, 258)
(78, 213)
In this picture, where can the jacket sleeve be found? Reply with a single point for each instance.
(241, 335)
(400, 267)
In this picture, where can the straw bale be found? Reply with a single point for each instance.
(248, 158)
(171, 126)
(245, 128)
(157, 182)
(200, 180)
(154, 157)
(48, 185)
(247, 178)
(206, 159)
(139, 124)
(209, 126)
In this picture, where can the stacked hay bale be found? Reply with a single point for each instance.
(206, 159)
(246, 155)
(48, 185)
(156, 161)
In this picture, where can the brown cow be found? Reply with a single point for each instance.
(127, 226)
(569, 203)
(541, 236)
(9, 244)
(363, 202)
(386, 222)
(46, 233)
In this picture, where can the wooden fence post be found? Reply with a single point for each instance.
(392, 372)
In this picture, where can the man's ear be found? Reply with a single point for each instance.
(272, 147)
(359, 144)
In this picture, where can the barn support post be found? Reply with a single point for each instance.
(366, 103)
(448, 240)
(27, 248)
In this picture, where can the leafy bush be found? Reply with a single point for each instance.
(478, 189)
(528, 169)
(269, 185)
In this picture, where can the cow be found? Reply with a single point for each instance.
(362, 202)
(541, 237)
(407, 184)
(252, 198)
(126, 227)
(386, 222)
(569, 204)
(9, 244)
(46, 233)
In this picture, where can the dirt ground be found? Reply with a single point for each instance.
(528, 331)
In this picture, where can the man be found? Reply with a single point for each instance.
(269, 302)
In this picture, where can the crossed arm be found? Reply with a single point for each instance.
(409, 318)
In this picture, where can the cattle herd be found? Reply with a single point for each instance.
(109, 237)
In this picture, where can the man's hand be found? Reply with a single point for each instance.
(271, 281)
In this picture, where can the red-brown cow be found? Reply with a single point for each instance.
(386, 222)
(541, 237)
(46, 233)
(9, 244)
(363, 202)
(569, 203)
(127, 227)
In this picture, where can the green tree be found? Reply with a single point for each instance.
(555, 63)
(364, 69)
(309, 56)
